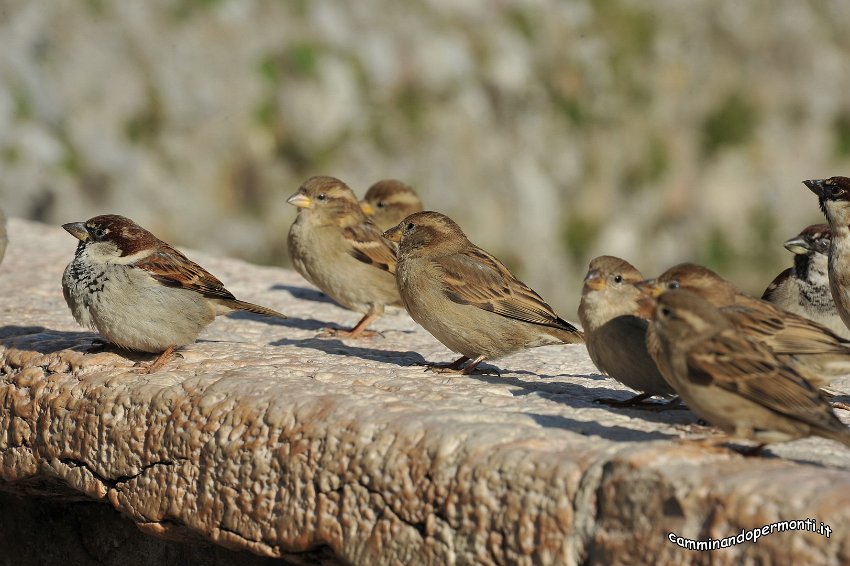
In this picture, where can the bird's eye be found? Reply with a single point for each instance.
(409, 227)
(673, 285)
(618, 278)
(97, 232)
(380, 204)
(321, 196)
(666, 312)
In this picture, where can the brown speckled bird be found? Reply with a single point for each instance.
(615, 335)
(733, 382)
(814, 350)
(466, 297)
(390, 201)
(804, 288)
(334, 246)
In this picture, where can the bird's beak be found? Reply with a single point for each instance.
(797, 245)
(817, 186)
(393, 234)
(367, 208)
(650, 288)
(78, 230)
(594, 280)
(300, 200)
(649, 292)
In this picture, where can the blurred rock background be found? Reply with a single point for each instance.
(551, 131)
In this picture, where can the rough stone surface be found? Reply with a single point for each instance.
(266, 439)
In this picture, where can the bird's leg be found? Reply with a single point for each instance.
(160, 361)
(359, 330)
(470, 367)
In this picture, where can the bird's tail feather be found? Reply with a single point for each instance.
(238, 305)
(567, 333)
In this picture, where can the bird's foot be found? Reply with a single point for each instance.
(158, 363)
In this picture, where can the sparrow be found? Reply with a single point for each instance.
(338, 249)
(467, 298)
(804, 288)
(4, 239)
(615, 335)
(733, 382)
(834, 199)
(390, 201)
(140, 293)
(812, 349)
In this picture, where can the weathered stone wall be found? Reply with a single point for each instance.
(265, 439)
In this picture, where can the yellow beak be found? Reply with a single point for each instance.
(650, 288)
(797, 245)
(367, 208)
(300, 200)
(393, 234)
(78, 230)
(594, 280)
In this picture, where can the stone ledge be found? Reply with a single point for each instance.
(263, 438)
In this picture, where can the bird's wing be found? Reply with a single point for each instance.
(367, 244)
(172, 268)
(474, 277)
(751, 370)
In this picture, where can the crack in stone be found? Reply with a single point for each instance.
(114, 483)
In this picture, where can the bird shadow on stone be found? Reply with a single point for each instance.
(591, 428)
(299, 323)
(557, 388)
(45, 340)
(303, 293)
(336, 347)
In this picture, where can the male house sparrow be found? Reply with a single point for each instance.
(466, 297)
(804, 288)
(139, 292)
(334, 246)
(834, 198)
(615, 335)
(813, 350)
(733, 382)
(390, 201)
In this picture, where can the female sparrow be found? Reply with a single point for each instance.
(814, 350)
(834, 198)
(335, 247)
(804, 288)
(390, 201)
(466, 297)
(139, 292)
(733, 382)
(615, 335)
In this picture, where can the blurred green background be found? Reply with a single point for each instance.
(551, 131)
